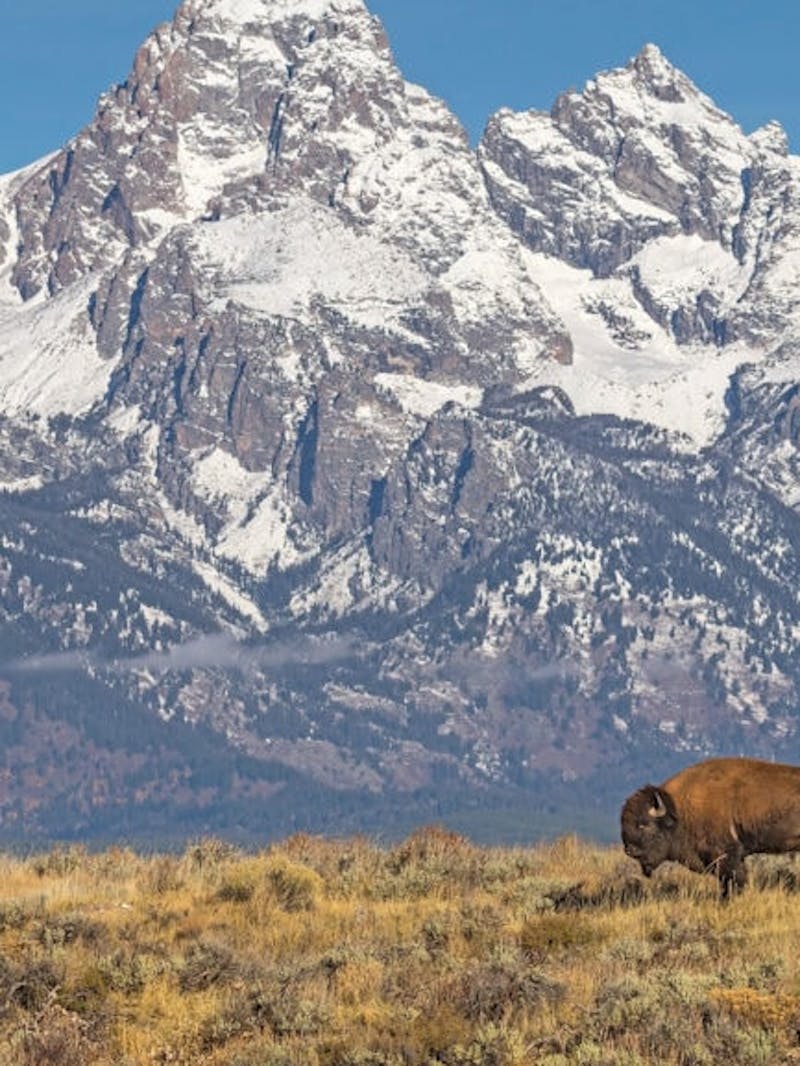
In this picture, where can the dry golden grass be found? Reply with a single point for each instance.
(341, 953)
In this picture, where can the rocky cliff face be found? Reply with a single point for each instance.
(340, 461)
(626, 172)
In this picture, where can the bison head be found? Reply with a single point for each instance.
(648, 824)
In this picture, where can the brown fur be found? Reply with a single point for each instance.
(710, 816)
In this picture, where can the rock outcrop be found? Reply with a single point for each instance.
(341, 459)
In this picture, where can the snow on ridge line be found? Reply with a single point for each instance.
(12, 179)
(650, 70)
(244, 11)
(9, 184)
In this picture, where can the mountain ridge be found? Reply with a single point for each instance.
(353, 464)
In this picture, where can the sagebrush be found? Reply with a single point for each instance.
(318, 952)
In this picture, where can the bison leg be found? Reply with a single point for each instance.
(732, 873)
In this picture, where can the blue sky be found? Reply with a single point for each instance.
(56, 56)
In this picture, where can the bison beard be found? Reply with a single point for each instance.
(712, 815)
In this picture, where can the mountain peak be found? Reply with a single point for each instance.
(233, 101)
(655, 76)
(651, 53)
(771, 137)
(648, 92)
(511, 430)
(663, 79)
(253, 11)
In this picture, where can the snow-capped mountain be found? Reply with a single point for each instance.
(675, 234)
(342, 462)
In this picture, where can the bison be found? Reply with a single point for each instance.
(710, 816)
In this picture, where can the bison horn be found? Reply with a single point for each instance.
(659, 809)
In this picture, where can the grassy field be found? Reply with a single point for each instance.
(341, 953)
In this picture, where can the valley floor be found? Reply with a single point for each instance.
(341, 953)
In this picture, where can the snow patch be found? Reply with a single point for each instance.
(424, 398)
(22, 484)
(263, 538)
(277, 264)
(230, 593)
(244, 11)
(261, 526)
(676, 268)
(348, 580)
(652, 379)
(204, 173)
(125, 420)
(48, 359)
(154, 616)
(220, 475)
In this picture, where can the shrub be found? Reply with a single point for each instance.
(17, 915)
(493, 1045)
(432, 861)
(124, 972)
(631, 950)
(116, 864)
(627, 1006)
(489, 992)
(295, 887)
(60, 861)
(431, 843)
(162, 875)
(769, 1010)
(436, 933)
(210, 852)
(287, 1012)
(773, 872)
(480, 924)
(59, 930)
(207, 964)
(279, 1055)
(234, 1020)
(339, 1054)
(54, 1037)
(731, 1042)
(551, 934)
(624, 892)
(30, 984)
(235, 888)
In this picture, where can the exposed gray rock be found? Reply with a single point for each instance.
(307, 445)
